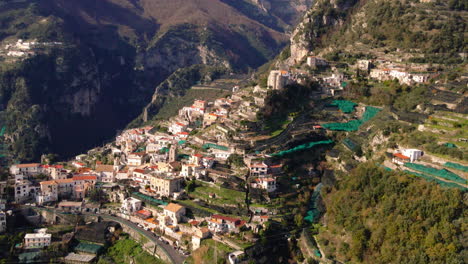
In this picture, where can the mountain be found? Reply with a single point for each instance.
(419, 31)
(74, 72)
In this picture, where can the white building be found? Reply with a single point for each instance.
(173, 214)
(177, 127)
(142, 177)
(130, 205)
(221, 154)
(106, 173)
(192, 170)
(268, 184)
(48, 193)
(26, 169)
(25, 190)
(413, 154)
(39, 239)
(136, 159)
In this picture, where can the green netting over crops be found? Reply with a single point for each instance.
(450, 145)
(148, 199)
(313, 213)
(369, 113)
(88, 248)
(353, 125)
(350, 144)
(440, 182)
(211, 145)
(443, 173)
(344, 105)
(456, 166)
(302, 147)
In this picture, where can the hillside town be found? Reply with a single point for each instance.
(202, 174)
(218, 172)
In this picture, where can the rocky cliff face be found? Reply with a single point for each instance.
(98, 63)
(323, 15)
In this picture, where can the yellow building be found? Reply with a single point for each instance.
(164, 185)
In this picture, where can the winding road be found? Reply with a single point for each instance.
(173, 254)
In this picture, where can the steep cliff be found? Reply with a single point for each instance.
(74, 72)
(420, 31)
(319, 20)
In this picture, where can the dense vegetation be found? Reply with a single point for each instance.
(128, 251)
(389, 93)
(435, 30)
(392, 217)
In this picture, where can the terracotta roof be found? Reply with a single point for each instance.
(104, 168)
(29, 165)
(194, 222)
(225, 218)
(52, 166)
(84, 177)
(48, 183)
(144, 212)
(401, 156)
(259, 165)
(138, 154)
(139, 171)
(173, 207)
(152, 221)
(59, 181)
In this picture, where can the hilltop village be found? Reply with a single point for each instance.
(214, 174)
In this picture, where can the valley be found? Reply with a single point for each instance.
(339, 140)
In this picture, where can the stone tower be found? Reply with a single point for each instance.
(173, 152)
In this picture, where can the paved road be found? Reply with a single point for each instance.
(176, 257)
(173, 254)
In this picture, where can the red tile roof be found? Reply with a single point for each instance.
(84, 177)
(144, 212)
(401, 156)
(48, 182)
(29, 165)
(225, 218)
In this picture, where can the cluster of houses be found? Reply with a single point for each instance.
(61, 183)
(171, 221)
(156, 162)
(402, 76)
(22, 48)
